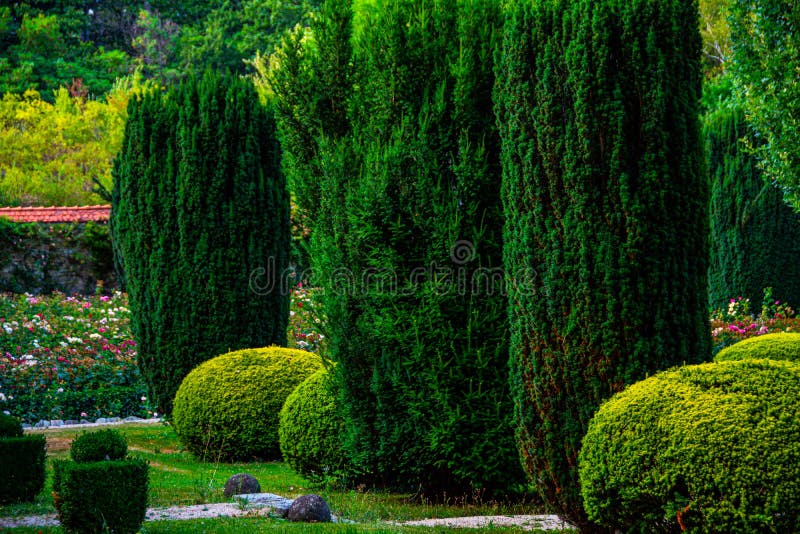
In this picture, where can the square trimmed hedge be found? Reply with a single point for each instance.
(95, 496)
(21, 468)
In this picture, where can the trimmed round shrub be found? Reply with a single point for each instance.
(706, 448)
(311, 429)
(10, 427)
(227, 408)
(781, 346)
(98, 446)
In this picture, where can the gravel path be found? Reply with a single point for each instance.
(204, 511)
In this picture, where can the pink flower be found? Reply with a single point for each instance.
(777, 302)
(32, 300)
(105, 298)
(87, 305)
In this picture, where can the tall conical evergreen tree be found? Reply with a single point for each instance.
(606, 202)
(200, 224)
(755, 235)
(406, 239)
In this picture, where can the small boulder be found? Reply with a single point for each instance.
(241, 483)
(309, 509)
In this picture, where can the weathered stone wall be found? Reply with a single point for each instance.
(43, 257)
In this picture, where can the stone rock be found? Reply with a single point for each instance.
(71, 422)
(132, 418)
(309, 509)
(42, 424)
(114, 420)
(85, 422)
(26, 426)
(279, 505)
(241, 483)
(56, 422)
(101, 421)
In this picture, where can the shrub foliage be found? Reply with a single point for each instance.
(200, 227)
(706, 448)
(606, 205)
(99, 445)
(228, 407)
(102, 496)
(21, 467)
(779, 346)
(311, 429)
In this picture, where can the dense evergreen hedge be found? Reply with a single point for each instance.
(97, 497)
(22, 474)
(200, 227)
(755, 235)
(407, 236)
(606, 200)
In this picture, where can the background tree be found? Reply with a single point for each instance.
(60, 154)
(755, 235)
(766, 59)
(407, 218)
(606, 200)
(200, 226)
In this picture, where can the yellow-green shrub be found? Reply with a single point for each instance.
(706, 448)
(228, 406)
(311, 429)
(780, 346)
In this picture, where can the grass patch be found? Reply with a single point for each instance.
(178, 479)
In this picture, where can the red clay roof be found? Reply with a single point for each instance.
(75, 214)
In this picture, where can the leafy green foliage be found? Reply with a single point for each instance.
(755, 236)
(780, 346)
(707, 448)
(200, 227)
(766, 56)
(99, 445)
(21, 467)
(716, 34)
(228, 407)
(59, 154)
(10, 427)
(392, 146)
(606, 204)
(311, 429)
(103, 496)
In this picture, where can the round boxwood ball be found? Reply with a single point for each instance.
(780, 346)
(227, 408)
(705, 448)
(311, 429)
(10, 427)
(99, 445)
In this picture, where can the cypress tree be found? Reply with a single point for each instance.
(755, 235)
(406, 238)
(200, 225)
(606, 202)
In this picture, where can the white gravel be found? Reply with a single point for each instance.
(205, 511)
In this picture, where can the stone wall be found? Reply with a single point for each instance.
(43, 257)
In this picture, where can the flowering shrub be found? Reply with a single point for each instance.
(68, 358)
(736, 323)
(305, 320)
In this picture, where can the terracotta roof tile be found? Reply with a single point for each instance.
(77, 214)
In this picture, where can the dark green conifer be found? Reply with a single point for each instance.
(407, 244)
(755, 235)
(200, 226)
(606, 203)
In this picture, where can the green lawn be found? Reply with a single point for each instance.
(176, 478)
